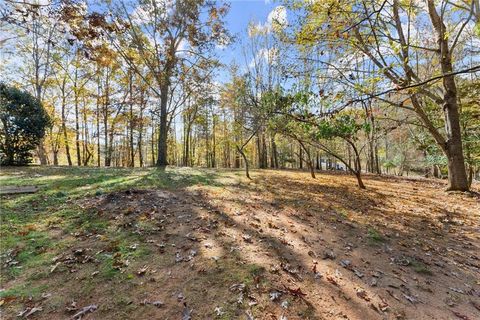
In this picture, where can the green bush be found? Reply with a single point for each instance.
(24, 121)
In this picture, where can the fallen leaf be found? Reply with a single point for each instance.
(158, 303)
(247, 238)
(46, 295)
(186, 313)
(29, 311)
(32, 311)
(142, 270)
(460, 316)
(274, 295)
(347, 264)
(332, 280)
(218, 311)
(72, 306)
(363, 294)
(296, 292)
(476, 305)
(84, 311)
(358, 273)
(410, 298)
(393, 295)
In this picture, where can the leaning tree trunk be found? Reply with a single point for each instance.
(308, 158)
(247, 172)
(358, 166)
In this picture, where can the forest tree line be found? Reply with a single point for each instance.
(387, 87)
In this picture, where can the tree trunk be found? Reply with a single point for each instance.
(214, 142)
(140, 134)
(273, 153)
(359, 180)
(153, 143)
(164, 90)
(300, 158)
(77, 120)
(162, 130)
(457, 176)
(64, 124)
(106, 105)
(247, 173)
(308, 159)
(131, 145)
(55, 157)
(186, 156)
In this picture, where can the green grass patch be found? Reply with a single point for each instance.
(24, 291)
(374, 236)
(421, 267)
(24, 252)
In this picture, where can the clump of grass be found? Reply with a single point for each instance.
(61, 194)
(107, 269)
(24, 290)
(343, 213)
(421, 267)
(375, 236)
(256, 270)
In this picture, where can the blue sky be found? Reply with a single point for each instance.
(240, 14)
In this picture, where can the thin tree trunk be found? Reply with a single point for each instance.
(64, 123)
(131, 121)
(106, 106)
(77, 118)
(247, 173)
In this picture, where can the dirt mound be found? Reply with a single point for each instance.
(125, 208)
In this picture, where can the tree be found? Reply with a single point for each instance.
(295, 120)
(24, 122)
(386, 34)
(168, 35)
(39, 26)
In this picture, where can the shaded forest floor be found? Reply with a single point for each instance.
(209, 244)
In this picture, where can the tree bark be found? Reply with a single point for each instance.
(247, 172)
(64, 123)
(457, 176)
(131, 120)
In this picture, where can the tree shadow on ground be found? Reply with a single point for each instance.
(210, 244)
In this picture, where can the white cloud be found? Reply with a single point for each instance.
(145, 12)
(277, 18)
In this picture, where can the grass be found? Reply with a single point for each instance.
(23, 291)
(421, 267)
(27, 221)
(374, 236)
